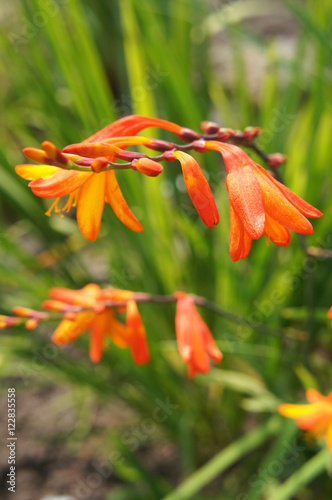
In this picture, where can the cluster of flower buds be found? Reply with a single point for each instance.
(259, 204)
(96, 310)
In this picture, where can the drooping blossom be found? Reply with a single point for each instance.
(198, 189)
(315, 417)
(195, 342)
(86, 311)
(89, 190)
(259, 204)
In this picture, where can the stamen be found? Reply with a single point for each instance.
(71, 202)
(55, 207)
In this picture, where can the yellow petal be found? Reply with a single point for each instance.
(116, 200)
(68, 331)
(298, 411)
(90, 206)
(32, 172)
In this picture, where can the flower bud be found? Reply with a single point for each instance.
(158, 145)
(25, 312)
(31, 324)
(225, 133)
(188, 135)
(209, 127)
(54, 153)
(99, 165)
(276, 159)
(147, 167)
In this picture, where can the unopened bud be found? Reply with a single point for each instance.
(8, 321)
(31, 324)
(147, 167)
(210, 127)
(188, 135)
(250, 133)
(54, 153)
(25, 312)
(128, 155)
(158, 145)
(99, 165)
(169, 156)
(224, 134)
(199, 146)
(35, 154)
(276, 159)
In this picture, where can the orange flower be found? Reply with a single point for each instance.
(198, 189)
(329, 314)
(259, 204)
(195, 342)
(89, 191)
(315, 417)
(99, 320)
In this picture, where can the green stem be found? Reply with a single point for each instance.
(223, 460)
(309, 471)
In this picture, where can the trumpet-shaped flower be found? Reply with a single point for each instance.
(315, 417)
(88, 191)
(259, 204)
(86, 310)
(195, 342)
(198, 189)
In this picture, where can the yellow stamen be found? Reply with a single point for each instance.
(55, 207)
(71, 202)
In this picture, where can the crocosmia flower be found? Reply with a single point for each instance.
(85, 310)
(195, 342)
(259, 204)
(198, 189)
(315, 417)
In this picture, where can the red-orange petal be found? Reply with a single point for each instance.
(279, 208)
(98, 329)
(62, 183)
(305, 208)
(131, 125)
(240, 241)
(278, 234)
(246, 198)
(198, 189)
(91, 150)
(90, 206)
(114, 197)
(313, 396)
(136, 334)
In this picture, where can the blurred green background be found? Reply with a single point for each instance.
(67, 69)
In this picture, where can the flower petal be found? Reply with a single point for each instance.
(68, 331)
(136, 334)
(278, 234)
(131, 125)
(32, 172)
(98, 329)
(314, 396)
(118, 333)
(302, 206)
(115, 199)
(240, 241)
(198, 189)
(62, 183)
(246, 197)
(279, 208)
(90, 206)
(298, 411)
